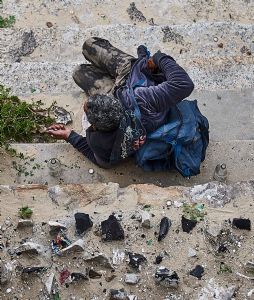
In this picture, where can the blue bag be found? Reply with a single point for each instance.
(179, 144)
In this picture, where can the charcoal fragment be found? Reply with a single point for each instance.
(136, 260)
(83, 222)
(188, 225)
(158, 259)
(111, 229)
(241, 223)
(76, 276)
(165, 224)
(198, 271)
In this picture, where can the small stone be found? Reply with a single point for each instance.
(111, 229)
(169, 203)
(29, 248)
(215, 39)
(5, 272)
(241, 223)
(131, 278)
(49, 24)
(8, 291)
(220, 45)
(77, 276)
(198, 271)
(78, 246)
(166, 277)
(91, 171)
(8, 223)
(136, 260)
(158, 259)
(25, 223)
(93, 274)
(55, 227)
(132, 297)
(188, 225)
(83, 222)
(110, 277)
(145, 219)
(35, 269)
(192, 252)
(118, 295)
(100, 259)
(178, 204)
(165, 224)
(49, 283)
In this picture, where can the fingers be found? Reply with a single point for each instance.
(55, 127)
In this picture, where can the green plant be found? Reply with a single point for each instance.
(7, 22)
(224, 268)
(21, 121)
(194, 212)
(25, 212)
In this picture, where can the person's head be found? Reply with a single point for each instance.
(104, 112)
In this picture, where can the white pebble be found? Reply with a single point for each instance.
(91, 171)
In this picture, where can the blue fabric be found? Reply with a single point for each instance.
(180, 144)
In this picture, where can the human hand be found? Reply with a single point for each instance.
(157, 57)
(151, 66)
(59, 131)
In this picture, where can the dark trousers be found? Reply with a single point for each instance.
(108, 69)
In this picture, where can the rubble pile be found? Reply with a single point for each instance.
(149, 250)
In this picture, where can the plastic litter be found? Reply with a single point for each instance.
(64, 276)
(60, 242)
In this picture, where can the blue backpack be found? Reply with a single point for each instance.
(179, 144)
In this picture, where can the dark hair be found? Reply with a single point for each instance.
(104, 112)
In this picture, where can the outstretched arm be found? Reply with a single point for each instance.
(79, 142)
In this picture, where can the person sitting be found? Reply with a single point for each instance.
(127, 99)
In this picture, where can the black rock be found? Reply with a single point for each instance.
(166, 277)
(29, 270)
(158, 259)
(118, 295)
(241, 223)
(93, 274)
(83, 222)
(198, 271)
(165, 224)
(136, 260)
(188, 225)
(75, 276)
(111, 229)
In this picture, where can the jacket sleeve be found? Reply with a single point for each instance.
(79, 142)
(177, 86)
